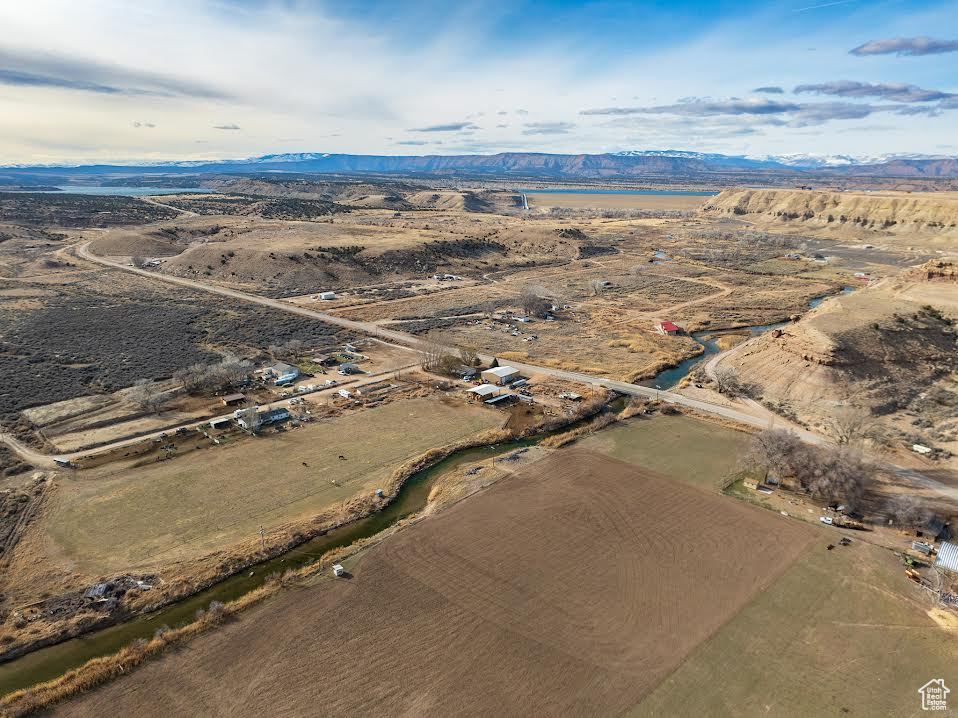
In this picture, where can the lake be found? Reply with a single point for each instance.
(130, 191)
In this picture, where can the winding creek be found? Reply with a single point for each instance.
(668, 378)
(47, 663)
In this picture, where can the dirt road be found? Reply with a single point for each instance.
(183, 212)
(407, 341)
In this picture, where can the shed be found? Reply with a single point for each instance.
(947, 557)
(221, 423)
(500, 375)
(324, 360)
(233, 399)
(338, 569)
(327, 296)
(484, 391)
(669, 328)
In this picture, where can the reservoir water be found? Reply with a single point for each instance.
(129, 191)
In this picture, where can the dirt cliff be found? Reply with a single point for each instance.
(844, 214)
(877, 348)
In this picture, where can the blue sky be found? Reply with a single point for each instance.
(108, 80)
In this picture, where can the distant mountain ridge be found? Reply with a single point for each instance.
(632, 164)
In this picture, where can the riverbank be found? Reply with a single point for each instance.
(711, 342)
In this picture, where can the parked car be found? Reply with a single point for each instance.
(827, 520)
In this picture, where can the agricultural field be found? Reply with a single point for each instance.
(840, 633)
(700, 453)
(573, 587)
(206, 500)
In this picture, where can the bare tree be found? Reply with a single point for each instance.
(776, 451)
(908, 511)
(146, 395)
(727, 381)
(851, 424)
(210, 377)
(290, 350)
(837, 474)
(435, 351)
(533, 303)
(193, 377)
(251, 418)
(468, 355)
(596, 286)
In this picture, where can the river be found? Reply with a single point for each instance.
(668, 378)
(47, 663)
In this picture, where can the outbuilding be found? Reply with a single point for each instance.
(233, 399)
(947, 557)
(327, 296)
(669, 328)
(484, 391)
(500, 375)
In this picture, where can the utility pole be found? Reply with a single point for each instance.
(262, 538)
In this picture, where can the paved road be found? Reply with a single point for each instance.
(408, 341)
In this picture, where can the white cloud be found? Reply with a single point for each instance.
(295, 77)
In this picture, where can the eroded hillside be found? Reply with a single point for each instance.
(890, 348)
(850, 215)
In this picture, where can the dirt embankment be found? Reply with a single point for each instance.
(844, 213)
(935, 270)
(877, 349)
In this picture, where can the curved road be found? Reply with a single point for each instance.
(413, 343)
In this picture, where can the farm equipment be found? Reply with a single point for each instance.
(912, 575)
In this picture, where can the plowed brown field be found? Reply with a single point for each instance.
(572, 588)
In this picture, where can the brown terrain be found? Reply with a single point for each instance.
(503, 587)
(889, 348)
(573, 588)
(879, 216)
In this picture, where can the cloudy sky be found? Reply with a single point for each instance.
(110, 80)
